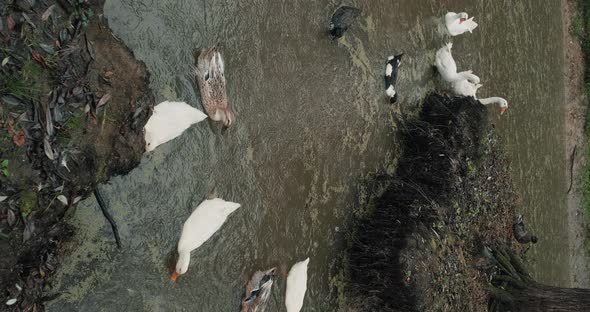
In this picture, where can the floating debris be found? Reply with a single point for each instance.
(11, 301)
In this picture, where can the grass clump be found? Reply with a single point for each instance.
(30, 82)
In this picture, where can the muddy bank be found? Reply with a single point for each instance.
(451, 195)
(575, 141)
(73, 102)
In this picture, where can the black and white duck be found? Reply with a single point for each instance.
(391, 67)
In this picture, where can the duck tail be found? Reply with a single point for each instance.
(471, 24)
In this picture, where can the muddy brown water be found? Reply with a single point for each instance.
(312, 121)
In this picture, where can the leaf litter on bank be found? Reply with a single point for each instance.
(10, 22)
(103, 100)
(62, 199)
(19, 138)
(47, 12)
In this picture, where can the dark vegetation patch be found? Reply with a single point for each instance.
(73, 102)
(418, 245)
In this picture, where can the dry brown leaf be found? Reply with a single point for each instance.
(48, 149)
(108, 74)
(38, 57)
(10, 22)
(103, 100)
(47, 13)
(57, 44)
(19, 138)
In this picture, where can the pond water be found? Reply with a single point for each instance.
(312, 121)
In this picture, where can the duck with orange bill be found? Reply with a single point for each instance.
(203, 222)
(459, 23)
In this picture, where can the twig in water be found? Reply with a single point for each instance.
(107, 215)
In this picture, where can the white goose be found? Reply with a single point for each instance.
(205, 220)
(467, 88)
(296, 286)
(459, 23)
(168, 121)
(500, 101)
(446, 66)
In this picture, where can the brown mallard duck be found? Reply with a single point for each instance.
(521, 234)
(258, 291)
(211, 81)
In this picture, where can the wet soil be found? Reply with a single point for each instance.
(57, 145)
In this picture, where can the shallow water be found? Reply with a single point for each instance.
(312, 121)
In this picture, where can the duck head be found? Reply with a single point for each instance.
(398, 59)
(503, 106)
(184, 259)
(336, 32)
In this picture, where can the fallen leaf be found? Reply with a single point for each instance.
(18, 287)
(90, 48)
(11, 218)
(108, 73)
(62, 199)
(57, 44)
(48, 12)
(47, 48)
(77, 199)
(3, 198)
(28, 19)
(47, 147)
(29, 229)
(11, 301)
(38, 57)
(19, 138)
(10, 22)
(103, 100)
(87, 108)
(5, 60)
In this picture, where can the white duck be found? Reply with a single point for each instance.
(296, 286)
(205, 220)
(467, 88)
(459, 23)
(500, 101)
(168, 121)
(446, 66)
